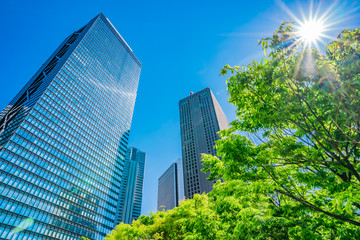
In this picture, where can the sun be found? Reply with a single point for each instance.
(311, 31)
(315, 21)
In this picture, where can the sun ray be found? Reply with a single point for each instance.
(317, 13)
(283, 6)
(311, 10)
(297, 67)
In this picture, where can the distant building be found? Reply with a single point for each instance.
(63, 138)
(201, 117)
(129, 206)
(171, 187)
(168, 189)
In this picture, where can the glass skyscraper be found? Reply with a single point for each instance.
(130, 200)
(63, 139)
(201, 117)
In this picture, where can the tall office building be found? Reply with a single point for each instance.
(63, 139)
(129, 206)
(168, 189)
(201, 117)
(171, 187)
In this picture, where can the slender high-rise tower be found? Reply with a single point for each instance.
(180, 179)
(130, 199)
(168, 189)
(171, 187)
(201, 117)
(63, 139)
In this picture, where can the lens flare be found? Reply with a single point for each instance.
(26, 223)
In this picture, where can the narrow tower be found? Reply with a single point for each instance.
(130, 200)
(63, 139)
(168, 189)
(201, 117)
(180, 179)
(171, 187)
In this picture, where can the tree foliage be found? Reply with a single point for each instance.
(233, 210)
(307, 105)
(302, 180)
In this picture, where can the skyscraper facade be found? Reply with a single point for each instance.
(201, 117)
(63, 139)
(171, 187)
(130, 200)
(168, 197)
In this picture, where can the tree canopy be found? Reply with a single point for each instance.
(308, 107)
(302, 180)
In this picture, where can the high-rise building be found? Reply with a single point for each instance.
(64, 136)
(171, 187)
(168, 189)
(129, 206)
(201, 117)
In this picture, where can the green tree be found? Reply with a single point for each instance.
(233, 210)
(307, 105)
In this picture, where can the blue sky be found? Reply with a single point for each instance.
(181, 44)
